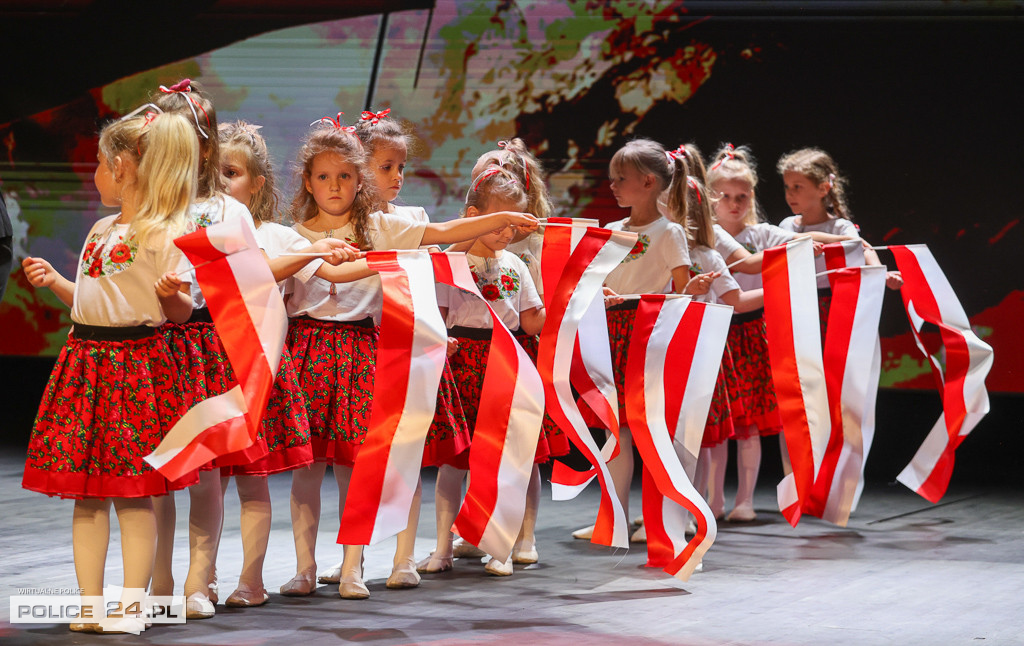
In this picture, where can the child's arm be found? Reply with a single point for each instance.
(744, 301)
(680, 278)
(286, 266)
(893, 279)
(42, 274)
(751, 261)
(346, 272)
(531, 321)
(699, 284)
(462, 229)
(174, 296)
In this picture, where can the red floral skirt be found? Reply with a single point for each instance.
(285, 428)
(550, 433)
(753, 394)
(336, 362)
(206, 372)
(107, 405)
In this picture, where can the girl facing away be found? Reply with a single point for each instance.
(113, 394)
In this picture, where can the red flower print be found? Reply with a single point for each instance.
(96, 269)
(638, 248)
(508, 283)
(88, 250)
(490, 292)
(120, 253)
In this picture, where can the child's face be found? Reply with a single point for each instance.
(629, 186)
(498, 239)
(240, 184)
(802, 193)
(389, 164)
(333, 183)
(735, 198)
(110, 192)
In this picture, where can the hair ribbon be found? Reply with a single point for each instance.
(727, 154)
(691, 182)
(375, 117)
(184, 88)
(336, 122)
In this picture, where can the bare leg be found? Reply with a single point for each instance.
(351, 585)
(205, 519)
(138, 539)
(90, 533)
(748, 463)
(716, 478)
(447, 499)
(403, 573)
(525, 549)
(787, 466)
(166, 517)
(254, 495)
(305, 507)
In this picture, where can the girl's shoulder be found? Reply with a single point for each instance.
(415, 213)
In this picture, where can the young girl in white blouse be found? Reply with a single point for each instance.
(659, 263)
(333, 337)
(505, 282)
(114, 392)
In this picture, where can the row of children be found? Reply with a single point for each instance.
(143, 348)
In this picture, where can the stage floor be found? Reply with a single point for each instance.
(903, 572)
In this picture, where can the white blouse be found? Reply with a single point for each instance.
(660, 248)
(504, 281)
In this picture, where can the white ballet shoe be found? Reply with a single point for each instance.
(301, 585)
(742, 513)
(434, 564)
(462, 549)
(691, 528)
(133, 625)
(403, 576)
(499, 568)
(213, 593)
(197, 606)
(639, 520)
(246, 597)
(352, 587)
(639, 536)
(525, 555)
(700, 567)
(331, 574)
(584, 534)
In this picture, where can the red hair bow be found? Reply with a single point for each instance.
(728, 155)
(184, 85)
(375, 117)
(336, 122)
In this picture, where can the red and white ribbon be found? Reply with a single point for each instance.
(505, 438)
(851, 377)
(794, 346)
(246, 307)
(664, 359)
(928, 297)
(569, 295)
(410, 360)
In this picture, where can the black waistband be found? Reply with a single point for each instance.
(84, 332)
(631, 304)
(200, 315)
(824, 291)
(746, 317)
(475, 333)
(366, 322)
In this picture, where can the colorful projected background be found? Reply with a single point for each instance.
(917, 111)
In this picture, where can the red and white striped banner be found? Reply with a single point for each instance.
(568, 296)
(666, 405)
(794, 347)
(928, 297)
(410, 360)
(505, 438)
(851, 377)
(248, 312)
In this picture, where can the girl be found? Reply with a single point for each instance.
(197, 350)
(335, 326)
(249, 177)
(659, 263)
(732, 179)
(503, 280)
(816, 193)
(515, 158)
(387, 143)
(695, 209)
(113, 393)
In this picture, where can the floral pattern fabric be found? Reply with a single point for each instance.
(106, 406)
(643, 242)
(105, 256)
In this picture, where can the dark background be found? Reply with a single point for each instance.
(919, 103)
